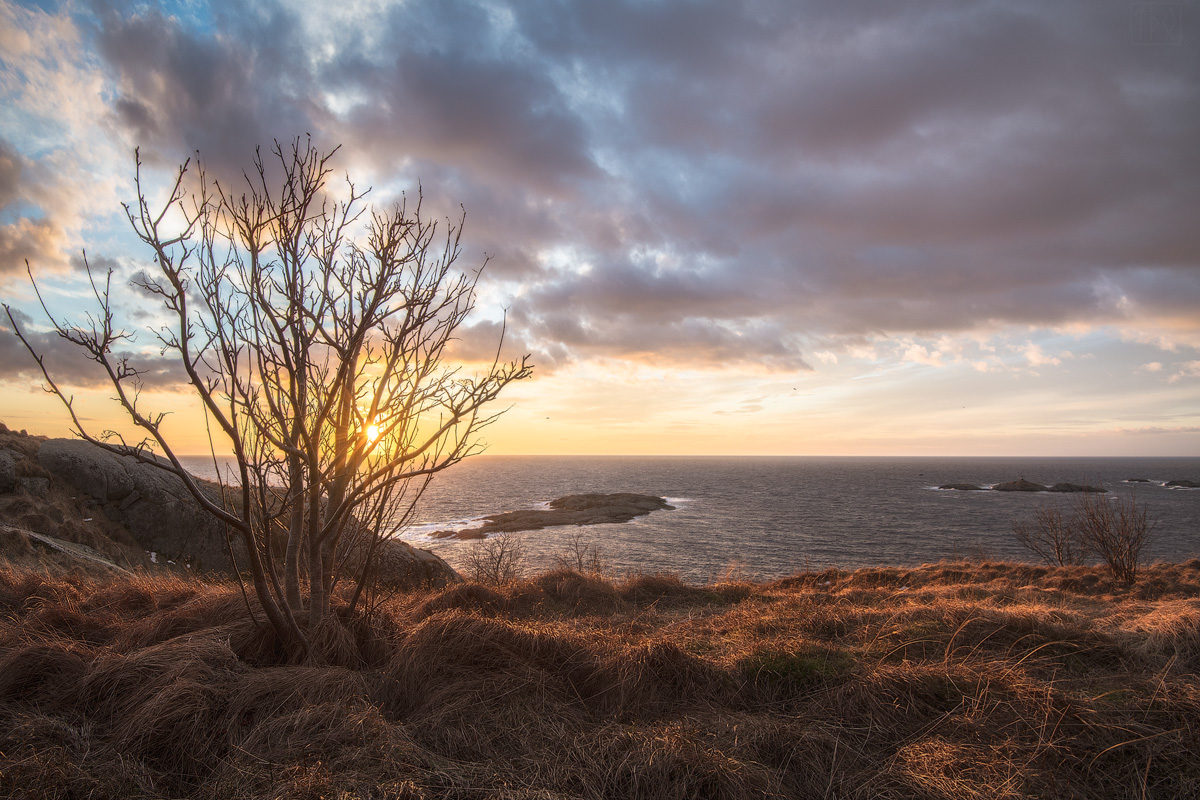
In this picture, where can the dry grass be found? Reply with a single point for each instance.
(971, 680)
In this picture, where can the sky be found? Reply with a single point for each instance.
(784, 227)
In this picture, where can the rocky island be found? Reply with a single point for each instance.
(575, 509)
(1022, 485)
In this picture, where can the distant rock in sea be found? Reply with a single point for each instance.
(1021, 485)
(575, 509)
(1182, 484)
(1137, 480)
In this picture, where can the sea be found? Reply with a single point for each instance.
(770, 517)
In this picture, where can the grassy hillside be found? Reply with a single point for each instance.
(954, 680)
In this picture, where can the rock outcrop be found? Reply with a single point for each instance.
(576, 509)
(962, 487)
(398, 565)
(1021, 485)
(8, 470)
(1183, 484)
(153, 504)
(163, 518)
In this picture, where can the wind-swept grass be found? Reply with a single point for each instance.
(975, 680)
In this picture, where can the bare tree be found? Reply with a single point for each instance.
(319, 360)
(1054, 536)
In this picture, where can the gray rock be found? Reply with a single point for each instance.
(962, 487)
(156, 507)
(1183, 484)
(8, 471)
(93, 470)
(399, 565)
(38, 487)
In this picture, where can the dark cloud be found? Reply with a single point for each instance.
(34, 240)
(10, 174)
(727, 182)
(243, 81)
(22, 238)
(70, 365)
(505, 122)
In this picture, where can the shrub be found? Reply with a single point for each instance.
(579, 556)
(1053, 536)
(497, 560)
(1117, 530)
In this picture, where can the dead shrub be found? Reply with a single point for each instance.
(1117, 530)
(496, 560)
(1053, 536)
(579, 555)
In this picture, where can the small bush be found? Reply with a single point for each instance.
(1116, 530)
(1054, 536)
(497, 560)
(579, 556)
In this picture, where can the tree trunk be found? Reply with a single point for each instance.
(291, 559)
(318, 599)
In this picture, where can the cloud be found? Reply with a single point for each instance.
(35, 241)
(1036, 358)
(919, 354)
(743, 185)
(1158, 431)
(1188, 369)
(39, 241)
(70, 366)
(221, 89)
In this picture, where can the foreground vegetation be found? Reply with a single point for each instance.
(963, 680)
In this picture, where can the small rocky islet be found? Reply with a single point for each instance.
(575, 509)
(1022, 485)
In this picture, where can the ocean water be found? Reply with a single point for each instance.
(771, 517)
(774, 516)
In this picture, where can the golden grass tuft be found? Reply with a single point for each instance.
(976, 680)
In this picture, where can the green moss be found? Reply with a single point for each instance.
(797, 669)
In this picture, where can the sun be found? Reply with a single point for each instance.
(372, 433)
